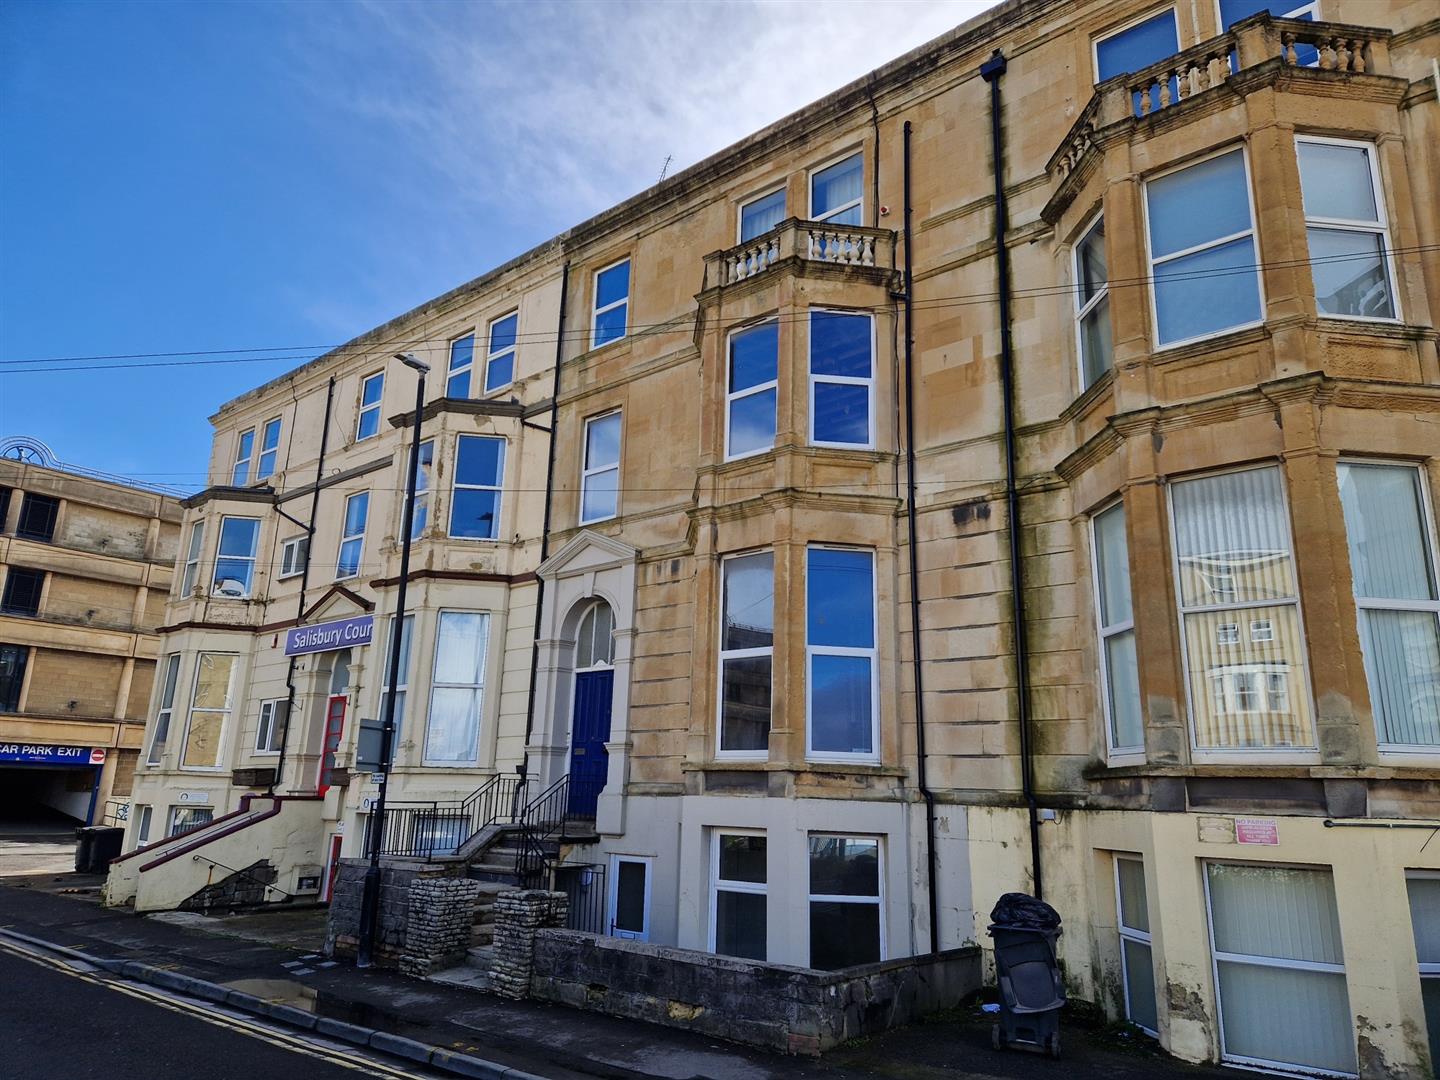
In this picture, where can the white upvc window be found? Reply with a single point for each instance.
(270, 731)
(1345, 227)
(244, 451)
(761, 214)
(1137, 961)
(269, 449)
(1423, 887)
(164, 709)
(752, 383)
(211, 699)
(842, 380)
(1279, 968)
(841, 684)
(1092, 304)
(420, 520)
(185, 819)
(747, 645)
(600, 471)
(457, 695)
(144, 818)
(235, 557)
(1200, 224)
(475, 496)
(1135, 46)
(837, 191)
(407, 631)
(294, 553)
(1232, 11)
(500, 352)
(1114, 614)
(738, 877)
(612, 304)
(190, 576)
(1391, 538)
(1235, 565)
(372, 389)
(629, 899)
(462, 363)
(352, 536)
(847, 913)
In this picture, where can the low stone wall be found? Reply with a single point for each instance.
(437, 927)
(398, 884)
(520, 915)
(789, 1009)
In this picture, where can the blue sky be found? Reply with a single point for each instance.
(203, 176)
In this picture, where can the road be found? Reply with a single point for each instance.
(58, 1023)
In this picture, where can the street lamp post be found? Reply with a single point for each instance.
(370, 898)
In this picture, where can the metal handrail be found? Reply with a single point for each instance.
(426, 830)
(243, 873)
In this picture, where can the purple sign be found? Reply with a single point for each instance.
(329, 636)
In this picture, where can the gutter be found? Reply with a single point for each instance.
(549, 490)
(931, 881)
(304, 580)
(992, 71)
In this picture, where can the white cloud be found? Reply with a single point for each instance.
(571, 107)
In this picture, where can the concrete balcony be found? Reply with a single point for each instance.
(793, 242)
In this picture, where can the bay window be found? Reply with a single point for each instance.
(841, 694)
(1345, 228)
(475, 499)
(1119, 672)
(211, 700)
(1279, 968)
(1423, 888)
(403, 685)
(751, 388)
(500, 352)
(738, 875)
(420, 517)
(352, 536)
(191, 573)
(846, 915)
(452, 734)
(600, 472)
(235, 557)
(1203, 258)
(1092, 304)
(462, 363)
(1392, 566)
(842, 380)
(747, 640)
(1235, 578)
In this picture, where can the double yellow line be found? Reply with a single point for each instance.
(254, 1030)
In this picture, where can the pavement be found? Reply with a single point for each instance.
(29, 848)
(266, 965)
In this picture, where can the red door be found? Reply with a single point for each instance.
(333, 868)
(334, 725)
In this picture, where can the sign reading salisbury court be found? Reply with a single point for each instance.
(328, 636)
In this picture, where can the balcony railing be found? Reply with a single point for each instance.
(1339, 47)
(814, 241)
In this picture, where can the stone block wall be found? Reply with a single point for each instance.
(240, 888)
(437, 927)
(787, 1009)
(342, 924)
(519, 916)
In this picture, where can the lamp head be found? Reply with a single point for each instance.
(410, 360)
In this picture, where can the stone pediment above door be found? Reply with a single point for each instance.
(588, 553)
(337, 602)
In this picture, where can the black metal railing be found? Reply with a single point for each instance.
(428, 830)
(566, 808)
(584, 885)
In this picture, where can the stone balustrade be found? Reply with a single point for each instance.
(814, 241)
(1250, 43)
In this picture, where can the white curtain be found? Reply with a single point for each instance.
(453, 733)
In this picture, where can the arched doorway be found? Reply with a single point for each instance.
(590, 719)
(336, 704)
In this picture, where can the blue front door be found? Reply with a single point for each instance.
(590, 733)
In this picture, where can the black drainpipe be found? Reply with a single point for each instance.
(991, 71)
(925, 792)
(549, 487)
(304, 580)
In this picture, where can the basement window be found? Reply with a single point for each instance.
(738, 874)
(1137, 962)
(847, 926)
(23, 587)
(186, 819)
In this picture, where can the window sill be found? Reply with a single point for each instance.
(1206, 344)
